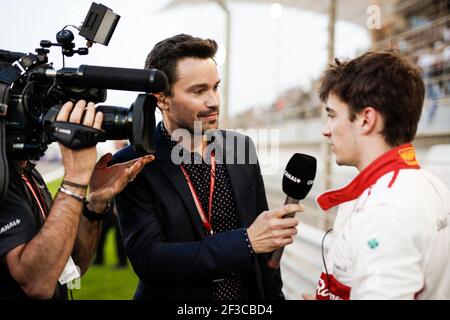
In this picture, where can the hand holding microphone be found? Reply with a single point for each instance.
(271, 231)
(274, 229)
(298, 180)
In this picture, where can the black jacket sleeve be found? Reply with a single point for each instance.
(271, 278)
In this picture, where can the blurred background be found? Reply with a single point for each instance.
(271, 57)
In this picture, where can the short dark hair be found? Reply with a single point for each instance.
(386, 81)
(166, 54)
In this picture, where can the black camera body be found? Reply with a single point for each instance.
(32, 93)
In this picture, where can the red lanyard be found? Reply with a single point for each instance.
(38, 199)
(206, 220)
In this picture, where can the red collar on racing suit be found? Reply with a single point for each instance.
(402, 157)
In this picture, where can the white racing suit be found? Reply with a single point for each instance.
(391, 238)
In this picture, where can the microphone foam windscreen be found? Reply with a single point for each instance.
(299, 176)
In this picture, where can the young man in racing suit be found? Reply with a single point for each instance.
(391, 238)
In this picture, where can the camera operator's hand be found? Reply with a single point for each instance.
(106, 181)
(79, 164)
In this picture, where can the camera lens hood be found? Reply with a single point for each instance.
(144, 123)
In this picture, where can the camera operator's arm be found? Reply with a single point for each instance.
(37, 265)
(105, 183)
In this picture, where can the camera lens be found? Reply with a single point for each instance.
(117, 122)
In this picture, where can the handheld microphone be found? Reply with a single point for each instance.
(298, 180)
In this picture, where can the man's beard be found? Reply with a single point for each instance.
(182, 124)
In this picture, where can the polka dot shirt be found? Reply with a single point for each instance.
(224, 217)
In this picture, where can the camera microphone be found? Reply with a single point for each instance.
(141, 80)
(298, 180)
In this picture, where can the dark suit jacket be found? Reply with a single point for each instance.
(166, 241)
